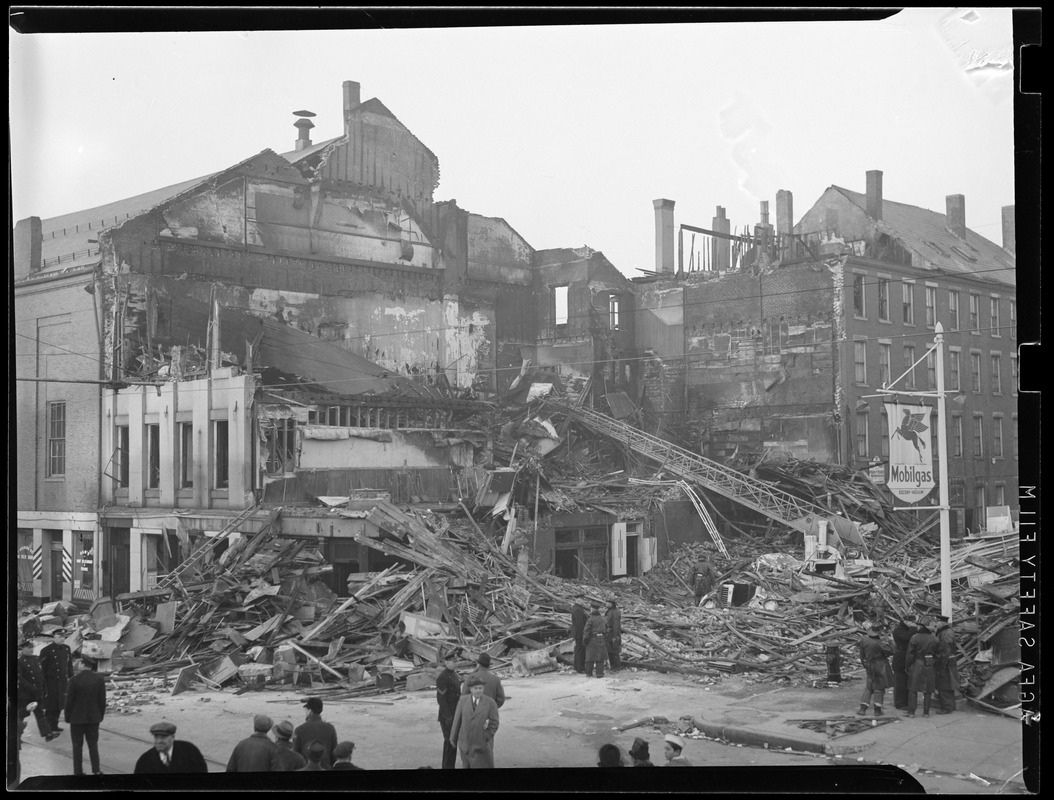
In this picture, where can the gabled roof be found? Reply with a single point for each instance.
(375, 106)
(926, 233)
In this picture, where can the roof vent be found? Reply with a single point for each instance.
(304, 125)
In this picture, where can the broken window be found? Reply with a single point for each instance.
(153, 456)
(858, 295)
(121, 455)
(221, 454)
(582, 553)
(613, 312)
(280, 441)
(186, 455)
(560, 305)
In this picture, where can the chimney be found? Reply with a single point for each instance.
(28, 243)
(304, 125)
(764, 212)
(721, 255)
(351, 101)
(956, 205)
(784, 212)
(874, 193)
(663, 235)
(1009, 236)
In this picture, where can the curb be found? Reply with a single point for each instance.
(754, 738)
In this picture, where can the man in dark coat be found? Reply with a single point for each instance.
(288, 759)
(475, 723)
(947, 668)
(316, 751)
(704, 578)
(902, 633)
(56, 661)
(492, 687)
(579, 615)
(614, 635)
(342, 756)
(315, 729)
(169, 756)
(595, 637)
(639, 753)
(874, 655)
(257, 753)
(920, 661)
(32, 691)
(85, 709)
(448, 692)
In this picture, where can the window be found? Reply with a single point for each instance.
(186, 455)
(909, 366)
(997, 375)
(1013, 319)
(613, 312)
(975, 313)
(978, 499)
(56, 422)
(997, 436)
(560, 305)
(884, 376)
(883, 299)
(994, 316)
(1013, 374)
(221, 454)
(975, 371)
(953, 310)
(978, 436)
(858, 295)
(861, 434)
(582, 553)
(931, 370)
(957, 435)
(931, 306)
(908, 295)
(160, 554)
(153, 456)
(860, 362)
(954, 368)
(121, 455)
(280, 437)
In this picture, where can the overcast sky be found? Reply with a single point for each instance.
(568, 133)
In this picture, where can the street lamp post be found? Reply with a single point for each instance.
(942, 455)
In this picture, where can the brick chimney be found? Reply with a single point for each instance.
(664, 256)
(351, 101)
(874, 193)
(1009, 235)
(956, 214)
(28, 244)
(304, 126)
(784, 212)
(721, 255)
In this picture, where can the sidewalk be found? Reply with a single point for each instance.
(968, 741)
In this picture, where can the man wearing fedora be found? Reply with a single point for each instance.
(257, 753)
(56, 661)
(475, 723)
(595, 637)
(947, 668)
(315, 729)
(168, 755)
(288, 759)
(492, 687)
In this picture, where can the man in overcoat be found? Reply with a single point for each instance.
(32, 690)
(56, 661)
(920, 660)
(579, 615)
(902, 633)
(874, 655)
(948, 681)
(595, 637)
(475, 723)
(315, 729)
(492, 687)
(448, 692)
(85, 709)
(168, 755)
(256, 753)
(288, 759)
(614, 635)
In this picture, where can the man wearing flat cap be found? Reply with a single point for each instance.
(168, 755)
(315, 753)
(288, 759)
(342, 756)
(257, 753)
(315, 729)
(673, 747)
(474, 726)
(492, 687)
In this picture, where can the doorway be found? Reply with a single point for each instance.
(56, 570)
(632, 557)
(118, 565)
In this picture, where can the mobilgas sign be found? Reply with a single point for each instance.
(910, 452)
